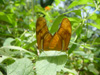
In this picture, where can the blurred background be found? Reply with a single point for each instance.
(18, 32)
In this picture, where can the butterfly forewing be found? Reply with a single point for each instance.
(41, 30)
(65, 32)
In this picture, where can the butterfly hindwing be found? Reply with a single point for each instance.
(46, 41)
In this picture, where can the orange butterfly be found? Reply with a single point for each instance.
(59, 41)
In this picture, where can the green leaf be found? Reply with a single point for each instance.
(50, 62)
(92, 69)
(90, 57)
(77, 12)
(88, 47)
(74, 19)
(1, 59)
(93, 17)
(98, 20)
(94, 25)
(70, 71)
(8, 61)
(13, 47)
(57, 2)
(63, 0)
(1, 73)
(56, 23)
(5, 17)
(83, 54)
(79, 30)
(8, 42)
(79, 2)
(79, 53)
(89, 33)
(22, 66)
(5, 50)
(2, 1)
(3, 69)
(73, 47)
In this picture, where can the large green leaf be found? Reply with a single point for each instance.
(56, 23)
(22, 66)
(50, 62)
(79, 2)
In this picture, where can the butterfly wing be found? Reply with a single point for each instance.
(42, 34)
(56, 42)
(65, 33)
(41, 30)
(46, 41)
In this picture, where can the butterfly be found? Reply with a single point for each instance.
(59, 41)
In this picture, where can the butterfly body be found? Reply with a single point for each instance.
(59, 41)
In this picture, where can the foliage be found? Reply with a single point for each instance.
(18, 49)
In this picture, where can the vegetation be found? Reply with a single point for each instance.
(18, 49)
